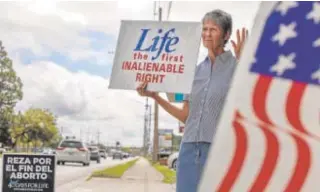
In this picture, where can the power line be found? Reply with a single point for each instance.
(169, 9)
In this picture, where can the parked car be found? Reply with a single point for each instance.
(47, 151)
(94, 153)
(125, 155)
(73, 151)
(117, 155)
(103, 153)
(164, 153)
(172, 160)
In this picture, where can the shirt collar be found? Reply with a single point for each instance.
(222, 57)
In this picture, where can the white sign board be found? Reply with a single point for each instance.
(163, 53)
(165, 137)
(268, 138)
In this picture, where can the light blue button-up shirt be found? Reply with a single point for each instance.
(209, 90)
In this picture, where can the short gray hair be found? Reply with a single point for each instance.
(221, 18)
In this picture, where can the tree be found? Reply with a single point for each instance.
(10, 94)
(37, 126)
(5, 124)
(176, 141)
(126, 149)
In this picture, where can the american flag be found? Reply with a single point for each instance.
(269, 135)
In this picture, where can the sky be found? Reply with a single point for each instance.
(63, 52)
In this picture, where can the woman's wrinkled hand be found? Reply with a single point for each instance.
(142, 90)
(241, 39)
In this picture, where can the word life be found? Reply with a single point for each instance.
(161, 42)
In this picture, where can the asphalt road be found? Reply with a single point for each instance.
(69, 173)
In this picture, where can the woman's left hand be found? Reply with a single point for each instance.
(241, 39)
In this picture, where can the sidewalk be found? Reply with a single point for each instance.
(142, 177)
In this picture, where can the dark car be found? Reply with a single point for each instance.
(94, 153)
(126, 155)
(117, 155)
(103, 153)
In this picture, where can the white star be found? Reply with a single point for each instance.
(316, 75)
(284, 63)
(284, 6)
(316, 43)
(285, 32)
(315, 13)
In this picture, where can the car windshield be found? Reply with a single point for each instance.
(71, 144)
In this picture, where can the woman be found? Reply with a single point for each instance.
(201, 109)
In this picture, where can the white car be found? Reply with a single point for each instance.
(172, 160)
(73, 151)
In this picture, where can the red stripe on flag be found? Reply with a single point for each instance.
(269, 162)
(302, 165)
(259, 100)
(241, 147)
(293, 106)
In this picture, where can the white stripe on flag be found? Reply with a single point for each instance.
(285, 165)
(254, 157)
(310, 110)
(276, 103)
(313, 176)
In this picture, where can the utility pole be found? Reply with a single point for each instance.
(61, 131)
(98, 136)
(145, 131)
(80, 133)
(88, 134)
(156, 116)
(149, 127)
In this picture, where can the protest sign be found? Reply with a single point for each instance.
(28, 172)
(268, 138)
(162, 53)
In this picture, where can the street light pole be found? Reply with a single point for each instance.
(156, 116)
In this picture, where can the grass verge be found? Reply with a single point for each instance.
(113, 172)
(169, 176)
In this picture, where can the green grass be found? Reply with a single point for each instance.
(113, 172)
(168, 174)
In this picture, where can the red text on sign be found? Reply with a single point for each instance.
(150, 78)
(154, 67)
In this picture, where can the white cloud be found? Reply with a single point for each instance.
(83, 100)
